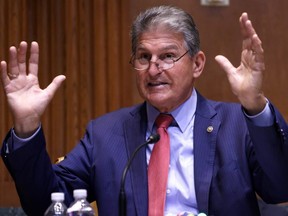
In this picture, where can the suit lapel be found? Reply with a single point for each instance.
(205, 134)
(135, 132)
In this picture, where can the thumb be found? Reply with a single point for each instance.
(55, 84)
(224, 63)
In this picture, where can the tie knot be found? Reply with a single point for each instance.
(163, 120)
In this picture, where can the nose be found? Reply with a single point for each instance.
(154, 68)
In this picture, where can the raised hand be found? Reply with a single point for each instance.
(246, 79)
(27, 101)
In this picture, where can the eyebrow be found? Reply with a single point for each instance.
(172, 46)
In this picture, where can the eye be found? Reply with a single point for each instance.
(143, 57)
(167, 56)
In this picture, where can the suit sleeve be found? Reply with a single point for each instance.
(270, 159)
(36, 177)
(32, 172)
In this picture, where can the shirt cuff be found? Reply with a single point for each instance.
(18, 142)
(262, 119)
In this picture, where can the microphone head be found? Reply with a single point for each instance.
(153, 138)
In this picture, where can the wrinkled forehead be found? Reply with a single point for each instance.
(162, 35)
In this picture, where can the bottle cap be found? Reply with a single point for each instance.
(57, 196)
(80, 193)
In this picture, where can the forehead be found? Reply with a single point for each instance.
(158, 39)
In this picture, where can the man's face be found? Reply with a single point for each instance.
(167, 89)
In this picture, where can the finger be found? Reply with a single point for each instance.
(248, 34)
(56, 83)
(225, 64)
(257, 45)
(242, 20)
(21, 54)
(250, 31)
(34, 58)
(255, 48)
(247, 30)
(13, 61)
(246, 27)
(4, 78)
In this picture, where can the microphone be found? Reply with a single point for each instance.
(122, 196)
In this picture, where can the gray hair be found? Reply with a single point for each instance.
(171, 18)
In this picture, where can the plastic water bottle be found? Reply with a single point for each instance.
(80, 206)
(57, 207)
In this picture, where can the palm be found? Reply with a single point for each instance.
(26, 99)
(247, 78)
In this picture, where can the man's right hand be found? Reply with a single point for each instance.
(27, 101)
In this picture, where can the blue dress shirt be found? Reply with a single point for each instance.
(180, 193)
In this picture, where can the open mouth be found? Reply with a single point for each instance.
(155, 84)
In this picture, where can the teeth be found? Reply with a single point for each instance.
(155, 84)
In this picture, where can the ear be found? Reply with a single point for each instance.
(199, 63)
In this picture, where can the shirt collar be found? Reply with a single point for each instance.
(182, 114)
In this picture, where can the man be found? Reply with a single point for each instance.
(221, 154)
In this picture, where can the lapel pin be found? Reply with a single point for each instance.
(209, 129)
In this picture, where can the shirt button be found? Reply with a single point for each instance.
(168, 191)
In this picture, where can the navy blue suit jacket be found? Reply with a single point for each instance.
(232, 162)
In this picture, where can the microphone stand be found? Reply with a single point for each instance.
(122, 196)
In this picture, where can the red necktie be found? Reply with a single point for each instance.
(158, 167)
